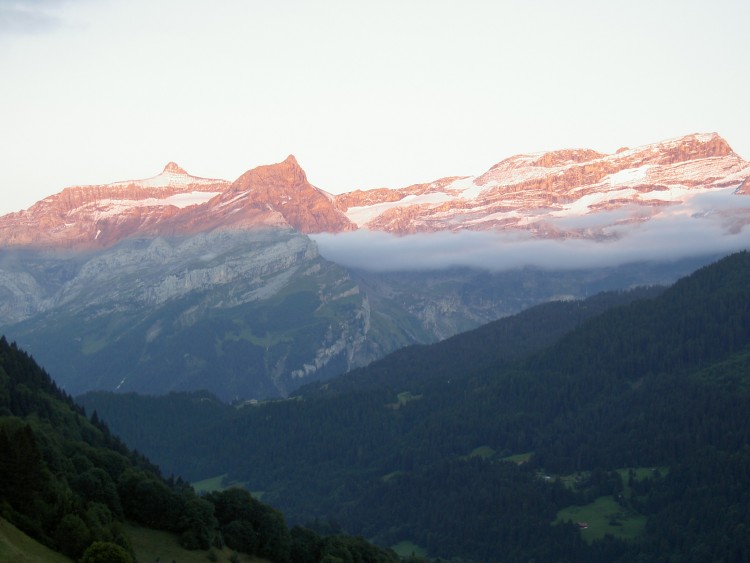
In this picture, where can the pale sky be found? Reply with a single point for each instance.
(364, 94)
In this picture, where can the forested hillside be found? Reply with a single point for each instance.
(67, 482)
(160, 425)
(627, 439)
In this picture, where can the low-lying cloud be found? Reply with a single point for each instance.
(710, 223)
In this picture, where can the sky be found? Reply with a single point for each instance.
(364, 94)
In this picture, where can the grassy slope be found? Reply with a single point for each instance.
(155, 545)
(605, 515)
(17, 547)
(407, 549)
(149, 545)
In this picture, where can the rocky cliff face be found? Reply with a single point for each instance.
(241, 313)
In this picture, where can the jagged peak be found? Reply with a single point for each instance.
(173, 168)
(287, 171)
(290, 163)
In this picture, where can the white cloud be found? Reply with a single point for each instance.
(711, 223)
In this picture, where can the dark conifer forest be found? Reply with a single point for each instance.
(630, 410)
(69, 483)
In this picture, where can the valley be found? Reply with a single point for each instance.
(374, 282)
(548, 332)
(657, 381)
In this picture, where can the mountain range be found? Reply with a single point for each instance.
(528, 192)
(177, 282)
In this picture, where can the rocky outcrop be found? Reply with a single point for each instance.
(284, 189)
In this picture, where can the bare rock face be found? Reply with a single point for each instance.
(284, 189)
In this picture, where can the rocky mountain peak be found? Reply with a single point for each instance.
(287, 173)
(283, 187)
(173, 168)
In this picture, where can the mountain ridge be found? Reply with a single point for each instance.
(528, 192)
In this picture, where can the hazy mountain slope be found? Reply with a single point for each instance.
(161, 315)
(250, 313)
(497, 343)
(141, 420)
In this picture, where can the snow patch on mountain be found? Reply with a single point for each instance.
(628, 176)
(113, 207)
(172, 176)
(362, 215)
(584, 204)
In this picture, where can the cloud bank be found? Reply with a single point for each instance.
(710, 223)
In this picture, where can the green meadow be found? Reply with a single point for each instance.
(604, 516)
(406, 549)
(17, 547)
(156, 545)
